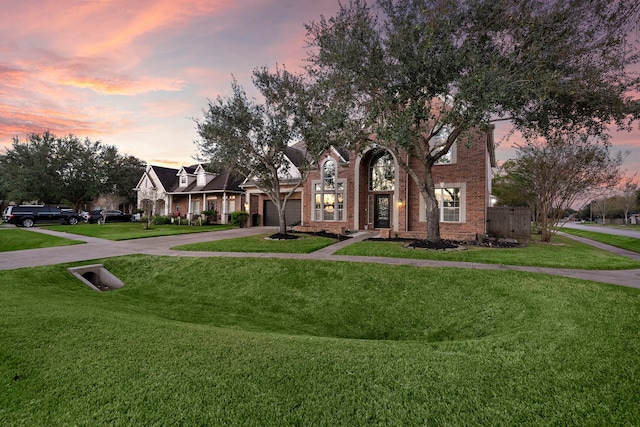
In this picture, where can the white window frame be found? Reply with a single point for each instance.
(320, 192)
(451, 157)
(463, 203)
(439, 140)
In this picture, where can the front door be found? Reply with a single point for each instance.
(382, 211)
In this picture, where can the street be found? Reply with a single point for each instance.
(631, 232)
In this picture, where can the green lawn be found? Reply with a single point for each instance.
(303, 244)
(628, 243)
(133, 230)
(16, 239)
(561, 253)
(195, 341)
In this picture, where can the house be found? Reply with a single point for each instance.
(188, 191)
(346, 191)
(261, 209)
(370, 191)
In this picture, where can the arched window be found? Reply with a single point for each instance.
(329, 194)
(382, 173)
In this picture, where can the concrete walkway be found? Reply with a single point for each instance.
(100, 248)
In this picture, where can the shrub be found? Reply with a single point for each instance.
(161, 220)
(239, 218)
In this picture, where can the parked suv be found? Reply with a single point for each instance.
(28, 215)
(112, 215)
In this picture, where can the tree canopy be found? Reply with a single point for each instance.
(254, 139)
(418, 76)
(54, 170)
(559, 173)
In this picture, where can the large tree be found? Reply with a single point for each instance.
(255, 139)
(418, 76)
(119, 174)
(559, 173)
(50, 169)
(508, 189)
(628, 197)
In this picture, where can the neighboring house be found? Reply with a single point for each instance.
(367, 191)
(261, 209)
(189, 191)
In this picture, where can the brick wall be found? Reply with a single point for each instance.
(470, 168)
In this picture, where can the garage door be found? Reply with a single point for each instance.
(292, 213)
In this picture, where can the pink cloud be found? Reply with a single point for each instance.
(120, 85)
(15, 122)
(135, 71)
(97, 28)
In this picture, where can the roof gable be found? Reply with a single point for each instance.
(167, 176)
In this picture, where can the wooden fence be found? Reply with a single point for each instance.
(509, 222)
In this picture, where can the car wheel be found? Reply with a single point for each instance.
(27, 222)
(73, 221)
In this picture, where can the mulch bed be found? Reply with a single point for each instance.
(288, 236)
(444, 244)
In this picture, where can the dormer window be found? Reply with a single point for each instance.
(202, 178)
(183, 180)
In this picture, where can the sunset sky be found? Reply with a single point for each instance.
(134, 74)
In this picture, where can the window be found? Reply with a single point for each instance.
(382, 173)
(329, 194)
(449, 204)
(438, 141)
(202, 179)
(195, 206)
(183, 180)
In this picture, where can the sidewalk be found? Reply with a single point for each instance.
(160, 246)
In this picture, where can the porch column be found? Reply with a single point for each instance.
(223, 217)
(189, 208)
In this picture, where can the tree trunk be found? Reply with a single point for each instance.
(426, 185)
(433, 218)
(282, 220)
(545, 223)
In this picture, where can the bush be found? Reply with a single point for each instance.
(239, 218)
(161, 220)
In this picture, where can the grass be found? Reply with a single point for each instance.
(303, 244)
(285, 342)
(561, 253)
(18, 239)
(628, 243)
(133, 230)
